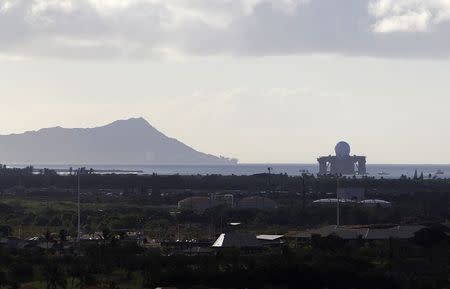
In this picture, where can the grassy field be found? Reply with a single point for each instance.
(95, 216)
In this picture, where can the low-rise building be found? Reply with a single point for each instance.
(257, 202)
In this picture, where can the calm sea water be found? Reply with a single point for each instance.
(376, 170)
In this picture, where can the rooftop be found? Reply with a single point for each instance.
(367, 233)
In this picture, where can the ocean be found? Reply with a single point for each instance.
(375, 170)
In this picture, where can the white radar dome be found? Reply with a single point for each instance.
(342, 149)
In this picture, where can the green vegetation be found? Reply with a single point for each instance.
(325, 263)
(43, 206)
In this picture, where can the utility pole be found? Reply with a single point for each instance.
(78, 209)
(269, 182)
(337, 203)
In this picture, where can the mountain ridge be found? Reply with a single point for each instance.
(130, 141)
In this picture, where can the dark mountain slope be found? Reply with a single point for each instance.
(132, 141)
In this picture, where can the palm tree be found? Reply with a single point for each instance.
(62, 239)
(106, 234)
(47, 238)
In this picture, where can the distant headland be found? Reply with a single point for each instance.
(131, 141)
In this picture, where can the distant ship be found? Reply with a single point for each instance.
(382, 173)
(439, 172)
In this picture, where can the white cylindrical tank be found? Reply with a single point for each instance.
(376, 203)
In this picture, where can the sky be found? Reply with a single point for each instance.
(265, 81)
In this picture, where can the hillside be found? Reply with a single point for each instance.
(132, 141)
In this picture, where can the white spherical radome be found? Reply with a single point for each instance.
(342, 149)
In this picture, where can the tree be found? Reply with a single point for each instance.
(106, 234)
(47, 237)
(20, 272)
(3, 279)
(428, 237)
(55, 277)
(112, 285)
(146, 277)
(75, 271)
(62, 239)
(5, 230)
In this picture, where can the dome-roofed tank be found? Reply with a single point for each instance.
(195, 203)
(342, 149)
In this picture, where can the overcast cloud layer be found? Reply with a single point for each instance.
(172, 28)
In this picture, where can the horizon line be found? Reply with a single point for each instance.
(204, 164)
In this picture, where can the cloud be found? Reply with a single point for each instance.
(408, 15)
(167, 28)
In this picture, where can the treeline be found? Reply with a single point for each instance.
(260, 182)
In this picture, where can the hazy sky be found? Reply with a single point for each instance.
(259, 80)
